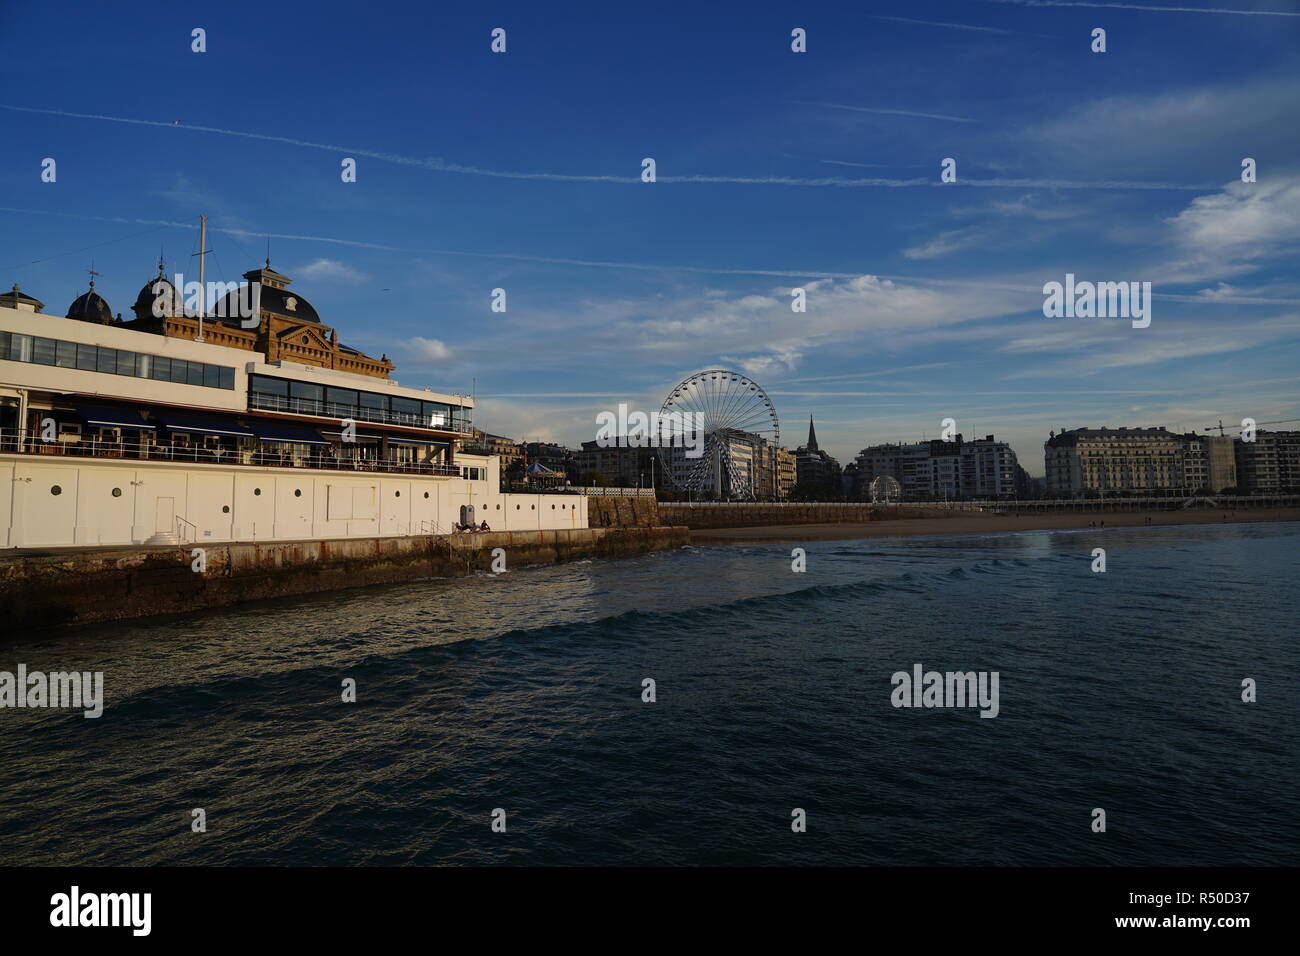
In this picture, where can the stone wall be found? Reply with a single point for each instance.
(624, 512)
(84, 587)
(746, 514)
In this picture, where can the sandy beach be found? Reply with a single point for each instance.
(985, 524)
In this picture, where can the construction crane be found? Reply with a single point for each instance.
(1281, 421)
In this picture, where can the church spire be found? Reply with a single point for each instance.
(812, 435)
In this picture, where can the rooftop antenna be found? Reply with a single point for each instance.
(203, 288)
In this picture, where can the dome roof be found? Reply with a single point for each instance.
(90, 307)
(150, 293)
(275, 298)
(16, 299)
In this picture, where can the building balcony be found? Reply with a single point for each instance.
(261, 455)
(379, 416)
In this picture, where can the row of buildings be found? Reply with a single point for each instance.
(1108, 461)
(757, 466)
(1081, 462)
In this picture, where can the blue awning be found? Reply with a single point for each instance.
(287, 432)
(201, 424)
(106, 417)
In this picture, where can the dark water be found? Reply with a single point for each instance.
(1118, 690)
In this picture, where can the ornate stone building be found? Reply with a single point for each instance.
(288, 328)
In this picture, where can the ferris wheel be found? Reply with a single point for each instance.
(736, 417)
(885, 489)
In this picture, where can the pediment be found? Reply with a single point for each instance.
(294, 335)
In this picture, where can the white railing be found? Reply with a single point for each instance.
(316, 457)
(1167, 501)
(360, 413)
(594, 492)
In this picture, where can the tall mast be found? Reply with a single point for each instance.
(203, 286)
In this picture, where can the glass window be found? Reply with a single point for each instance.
(269, 386)
(125, 362)
(373, 401)
(211, 376)
(161, 368)
(4, 345)
(180, 370)
(87, 357)
(195, 370)
(143, 365)
(341, 396)
(107, 361)
(305, 390)
(20, 347)
(435, 414)
(227, 378)
(407, 407)
(43, 351)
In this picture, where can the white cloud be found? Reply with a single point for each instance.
(947, 242)
(1186, 127)
(326, 270)
(424, 351)
(1245, 221)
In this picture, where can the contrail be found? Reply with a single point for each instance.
(439, 165)
(868, 109)
(936, 23)
(433, 163)
(636, 266)
(1139, 6)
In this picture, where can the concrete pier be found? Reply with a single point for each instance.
(58, 589)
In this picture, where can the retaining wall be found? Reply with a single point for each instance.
(83, 587)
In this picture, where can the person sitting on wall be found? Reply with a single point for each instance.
(484, 526)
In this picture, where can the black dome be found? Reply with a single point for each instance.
(90, 307)
(143, 307)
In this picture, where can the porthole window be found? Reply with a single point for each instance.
(516, 507)
(297, 492)
(397, 494)
(305, 340)
(257, 491)
(225, 509)
(117, 492)
(532, 507)
(498, 507)
(56, 490)
(426, 494)
(552, 507)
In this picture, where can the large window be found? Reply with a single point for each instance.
(306, 391)
(344, 397)
(261, 385)
(309, 398)
(17, 347)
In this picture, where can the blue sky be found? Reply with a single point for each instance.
(818, 170)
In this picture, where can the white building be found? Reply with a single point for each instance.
(112, 435)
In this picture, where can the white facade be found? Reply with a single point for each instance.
(54, 494)
(107, 503)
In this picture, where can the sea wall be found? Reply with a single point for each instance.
(748, 514)
(85, 587)
(622, 512)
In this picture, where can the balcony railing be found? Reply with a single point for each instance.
(308, 457)
(379, 416)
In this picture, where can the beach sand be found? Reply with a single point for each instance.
(985, 524)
